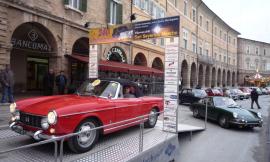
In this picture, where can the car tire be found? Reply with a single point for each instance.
(152, 119)
(196, 113)
(85, 141)
(223, 121)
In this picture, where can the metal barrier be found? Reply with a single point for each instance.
(139, 120)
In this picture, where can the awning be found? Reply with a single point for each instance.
(118, 67)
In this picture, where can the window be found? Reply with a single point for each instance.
(185, 8)
(219, 58)
(225, 37)
(154, 41)
(146, 5)
(193, 14)
(185, 38)
(233, 61)
(215, 31)
(77, 4)
(229, 39)
(200, 20)
(200, 50)
(215, 56)
(229, 60)
(194, 46)
(234, 42)
(248, 65)
(257, 51)
(220, 34)
(224, 59)
(115, 12)
(247, 49)
(174, 2)
(162, 42)
(264, 52)
(137, 3)
(206, 52)
(154, 10)
(207, 25)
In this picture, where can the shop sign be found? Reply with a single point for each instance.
(171, 84)
(33, 42)
(118, 52)
(164, 27)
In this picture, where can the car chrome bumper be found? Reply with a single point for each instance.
(37, 135)
(246, 124)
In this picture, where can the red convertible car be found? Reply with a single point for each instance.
(96, 103)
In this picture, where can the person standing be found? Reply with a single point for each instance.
(254, 97)
(7, 81)
(61, 82)
(48, 83)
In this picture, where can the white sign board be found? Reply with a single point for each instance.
(93, 61)
(171, 84)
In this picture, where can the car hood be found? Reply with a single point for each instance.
(75, 103)
(242, 113)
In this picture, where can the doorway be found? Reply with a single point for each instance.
(37, 68)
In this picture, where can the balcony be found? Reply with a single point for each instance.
(206, 59)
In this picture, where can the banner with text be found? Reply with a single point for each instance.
(164, 27)
(93, 61)
(171, 84)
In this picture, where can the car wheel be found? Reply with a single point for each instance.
(223, 122)
(196, 113)
(152, 119)
(85, 141)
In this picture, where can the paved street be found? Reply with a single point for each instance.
(215, 144)
(227, 145)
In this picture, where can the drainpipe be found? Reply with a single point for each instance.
(197, 39)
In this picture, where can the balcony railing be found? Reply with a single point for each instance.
(206, 59)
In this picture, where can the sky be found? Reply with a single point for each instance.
(251, 18)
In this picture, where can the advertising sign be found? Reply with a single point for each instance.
(171, 85)
(111, 34)
(93, 61)
(164, 27)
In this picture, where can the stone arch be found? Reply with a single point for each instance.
(140, 59)
(201, 75)
(207, 78)
(81, 46)
(219, 78)
(158, 64)
(193, 75)
(213, 83)
(228, 78)
(224, 78)
(33, 52)
(184, 73)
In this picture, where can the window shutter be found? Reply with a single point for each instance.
(119, 14)
(83, 5)
(66, 2)
(108, 11)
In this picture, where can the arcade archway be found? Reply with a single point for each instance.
(158, 64)
(184, 73)
(193, 76)
(33, 48)
(207, 79)
(201, 74)
(140, 59)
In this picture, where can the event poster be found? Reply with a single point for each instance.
(171, 84)
(93, 61)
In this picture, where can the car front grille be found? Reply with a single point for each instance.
(31, 120)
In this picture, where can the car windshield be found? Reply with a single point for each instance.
(199, 93)
(224, 101)
(104, 89)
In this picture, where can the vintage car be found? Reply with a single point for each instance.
(226, 112)
(96, 103)
(187, 95)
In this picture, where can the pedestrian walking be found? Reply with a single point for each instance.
(7, 82)
(61, 81)
(48, 83)
(254, 98)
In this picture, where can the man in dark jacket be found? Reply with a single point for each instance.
(7, 81)
(254, 97)
(48, 83)
(61, 82)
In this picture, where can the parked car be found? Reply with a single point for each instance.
(246, 91)
(187, 95)
(264, 91)
(240, 94)
(226, 112)
(233, 94)
(268, 90)
(95, 104)
(213, 92)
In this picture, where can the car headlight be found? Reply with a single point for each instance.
(12, 107)
(235, 115)
(259, 114)
(44, 123)
(52, 117)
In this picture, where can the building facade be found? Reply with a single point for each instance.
(253, 57)
(37, 35)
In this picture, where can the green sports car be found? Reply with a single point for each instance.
(226, 112)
